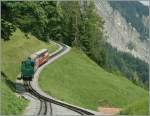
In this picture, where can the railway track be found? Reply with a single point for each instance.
(43, 109)
(46, 104)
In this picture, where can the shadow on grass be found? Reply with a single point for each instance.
(9, 83)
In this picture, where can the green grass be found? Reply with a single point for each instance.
(76, 79)
(17, 49)
(10, 104)
(13, 52)
(137, 108)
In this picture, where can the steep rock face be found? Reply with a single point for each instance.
(146, 21)
(120, 33)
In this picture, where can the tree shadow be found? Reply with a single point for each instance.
(14, 86)
(10, 83)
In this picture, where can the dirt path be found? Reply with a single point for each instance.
(108, 110)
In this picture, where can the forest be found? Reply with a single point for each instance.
(76, 25)
(133, 68)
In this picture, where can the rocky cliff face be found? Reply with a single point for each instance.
(121, 34)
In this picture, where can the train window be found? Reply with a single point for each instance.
(42, 54)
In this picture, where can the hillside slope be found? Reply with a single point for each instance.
(139, 107)
(13, 52)
(76, 79)
(122, 33)
(134, 13)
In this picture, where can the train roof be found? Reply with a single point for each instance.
(41, 51)
(34, 55)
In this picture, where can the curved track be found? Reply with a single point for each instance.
(47, 103)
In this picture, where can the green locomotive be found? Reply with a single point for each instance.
(27, 69)
(32, 63)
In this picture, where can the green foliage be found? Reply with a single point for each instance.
(78, 80)
(71, 20)
(30, 17)
(133, 12)
(84, 29)
(6, 12)
(53, 27)
(7, 29)
(131, 67)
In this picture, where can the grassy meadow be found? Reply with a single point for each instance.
(76, 79)
(140, 107)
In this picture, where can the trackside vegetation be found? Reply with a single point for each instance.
(14, 51)
(78, 80)
(140, 107)
(10, 104)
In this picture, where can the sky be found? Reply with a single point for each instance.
(145, 2)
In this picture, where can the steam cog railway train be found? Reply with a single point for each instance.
(32, 63)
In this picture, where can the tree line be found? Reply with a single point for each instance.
(125, 64)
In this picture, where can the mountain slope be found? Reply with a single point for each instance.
(76, 79)
(135, 13)
(123, 33)
(13, 52)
